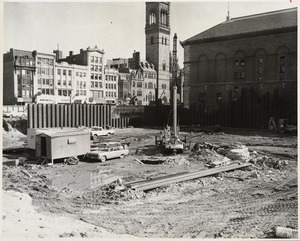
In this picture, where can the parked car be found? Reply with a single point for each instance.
(15, 113)
(97, 131)
(107, 151)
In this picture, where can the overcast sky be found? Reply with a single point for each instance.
(116, 27)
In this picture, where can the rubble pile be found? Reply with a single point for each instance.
(266, 161)
(113, 192)
(176, 160)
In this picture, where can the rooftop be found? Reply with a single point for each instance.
(257, 23)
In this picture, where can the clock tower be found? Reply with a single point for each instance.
(158, 45)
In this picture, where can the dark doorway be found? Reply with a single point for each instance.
(43, 146)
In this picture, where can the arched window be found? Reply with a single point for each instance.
(164, 66)
(220, 66)
(150, 86)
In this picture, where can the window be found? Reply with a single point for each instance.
(282, 68)
(242, 62)
(59, 92)
(152, 40)
(236, 75)
(64, 82)
(92, 59)
(282, 59)
(260, 69)
(58, 82)
(164, 66)
(202, 97)
(219, 97)
(96, 67)
(96, 60)
(100, 84)
(40, 81)
(92, 76)
(100, 77)
(92, 67)
(70, 83)
(96, 84)
(44, 81)
(139, 84)
(77, 92)
(64, 72)
(96, 76)
(145, 85)
(47, 81)
(164, 86)
(260, 60)
(100, 61)
(65, 93)
(115, 86)
(92, 84)
(242, 75)
(162, 40)
(69, 72)
(83, 74)
(236, 62)
(47, 91)
(133, 84)
(77, 73)
(150, 86)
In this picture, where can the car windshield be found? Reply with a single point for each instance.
(94, 129)
(103, 148)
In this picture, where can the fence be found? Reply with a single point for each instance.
(72, 115)
(251, 110)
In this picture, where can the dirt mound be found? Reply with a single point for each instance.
(12, 137)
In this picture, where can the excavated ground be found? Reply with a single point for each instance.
(246, 203)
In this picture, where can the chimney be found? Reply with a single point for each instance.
(70, 53)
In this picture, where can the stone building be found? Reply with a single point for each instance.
(45, 64)
(19, 75)
(257, 53)
(111, 84)
(158, 45)
(93, 58)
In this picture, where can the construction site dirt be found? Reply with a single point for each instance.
(244, 203)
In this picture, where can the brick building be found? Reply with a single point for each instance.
(111, 84)
(93, 58)
(255, 54)
(19, 71)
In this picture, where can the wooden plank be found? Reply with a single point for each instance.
(88, 118)
(30, 117)
(40, 115)
(154, 183)
(49, 117)
(44, 116)
(73, 115)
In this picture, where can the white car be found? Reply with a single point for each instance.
(108, 151)
(97, 131)
(15, 113)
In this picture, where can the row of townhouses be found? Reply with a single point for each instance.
(31, 76)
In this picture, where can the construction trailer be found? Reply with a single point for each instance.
(54, 144)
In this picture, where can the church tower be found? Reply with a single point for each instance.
(158, 45)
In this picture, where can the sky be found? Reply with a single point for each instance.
(116, 27)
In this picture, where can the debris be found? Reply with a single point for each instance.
(282, 232)
(139, 161)
(71, 160)
(225, 161)
(26, 173)
(239, 154)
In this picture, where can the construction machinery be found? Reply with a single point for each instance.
(169, 139)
